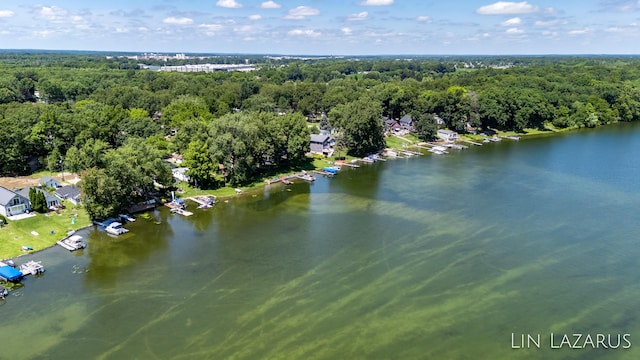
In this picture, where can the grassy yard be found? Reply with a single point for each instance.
(395, 142)
(18, 233)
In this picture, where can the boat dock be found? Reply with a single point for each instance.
(32, 268)
(325, 173)
(409, 153)
(305, 177)
(177, 208)
(472, 142)
(72, 243)
(344, 163)
(203, 199)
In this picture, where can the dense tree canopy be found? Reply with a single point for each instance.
(115, 121)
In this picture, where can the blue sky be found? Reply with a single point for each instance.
(325, 27)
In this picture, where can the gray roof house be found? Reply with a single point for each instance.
(69, 192)
(319, 143)
(12, 203)
(406, 122)
(48, 181)
(52, 201)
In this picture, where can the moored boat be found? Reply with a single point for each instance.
(73, 243)
(116, 228)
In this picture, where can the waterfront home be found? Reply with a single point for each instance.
(12, 203)
(52, 201)
(48, 182)
(320, 144)
(447, 135)
(406, 122)
(69, 192)
(181, 174)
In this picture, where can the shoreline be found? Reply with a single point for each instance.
(260, 185)
(45, 248)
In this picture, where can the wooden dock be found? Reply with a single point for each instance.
(472, 142)
(177, 209)
(203, 199)
(320, 172)
(344, 163)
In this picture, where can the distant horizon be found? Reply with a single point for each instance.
(141, 52)
(328, 27)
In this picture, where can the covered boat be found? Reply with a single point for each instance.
(73, 243)
(9, 273)
(115, 228)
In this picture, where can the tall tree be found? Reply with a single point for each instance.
(201, 166)
(425, 125)
(234, 143)
(102, 195)
(361, 124)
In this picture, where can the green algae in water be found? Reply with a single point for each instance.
(433, 257)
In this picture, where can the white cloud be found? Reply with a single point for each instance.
(231, 4)
(512, 22)
(301, 12)
(211, 27)
(255, 17)
(346, 31)
(359, 16)
(546, 23)
(515, 31)
(270, 5)
(615, 30)
(53, 14)
(578, 32)
(376, 2)
(244, 29)
(505, 7)
(178, 21)
(6, 13)
(122, 30)
(424, 18)
(5, 32)
(44, 33)
(301, 32)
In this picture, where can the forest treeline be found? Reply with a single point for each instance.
(86, 112)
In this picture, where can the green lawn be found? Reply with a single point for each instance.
(18, 233)
(395, 142)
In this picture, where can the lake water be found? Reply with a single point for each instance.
(436, 257)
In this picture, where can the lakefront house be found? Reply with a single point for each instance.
(12, 203)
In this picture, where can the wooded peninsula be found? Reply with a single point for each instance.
(114, 119)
